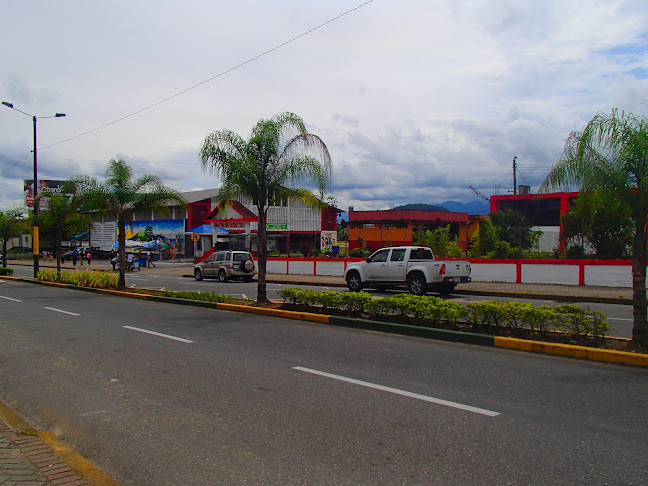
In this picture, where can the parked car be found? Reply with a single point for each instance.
(226, 264)
(413, 266)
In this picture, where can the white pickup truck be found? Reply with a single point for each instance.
(413, 266)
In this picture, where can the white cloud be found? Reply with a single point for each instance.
(416, 100)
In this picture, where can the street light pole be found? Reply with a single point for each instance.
(35, 235)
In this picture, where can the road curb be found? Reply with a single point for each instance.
(69, 456)
(566, 350)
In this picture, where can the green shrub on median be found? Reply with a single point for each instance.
(6, 271)
(85, 278)
(484, 316)
(109, 280)
(200, 296)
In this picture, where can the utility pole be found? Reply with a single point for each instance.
(514, 176)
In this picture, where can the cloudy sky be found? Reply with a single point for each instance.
(416, 99)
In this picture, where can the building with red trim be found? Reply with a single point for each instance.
(543, 211)
(399, 226)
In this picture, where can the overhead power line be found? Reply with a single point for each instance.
(265, 53)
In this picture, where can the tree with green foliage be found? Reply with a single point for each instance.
(121, 196)
(61, 218)
(604, 224)
(609, 156)
(279, 153)
(438, 240)
(513, 227)
(12, 223)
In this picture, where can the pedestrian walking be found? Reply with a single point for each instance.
(75, 256)
(149, 260)
(81, 255)
(129, 262)
(114, 261)
(89, 257)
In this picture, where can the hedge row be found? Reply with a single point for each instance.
(109, 280)
(429, 310)
(86, 278)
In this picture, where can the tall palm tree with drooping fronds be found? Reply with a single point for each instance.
(12, 223)
(610, 156)
(61, 218)
(279, 153)
(121, 196)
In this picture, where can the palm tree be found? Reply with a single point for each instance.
(121, 196)
(11, 224)
(62, 218)
(610, 157)
(279, 152)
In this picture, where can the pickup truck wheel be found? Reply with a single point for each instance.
(417, 285)
(354, 283)
(198, 274)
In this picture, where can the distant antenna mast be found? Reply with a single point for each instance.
(514, 175)
(478, 194)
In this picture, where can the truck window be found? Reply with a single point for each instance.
(379, 256)
(398, 255)
(421, 254)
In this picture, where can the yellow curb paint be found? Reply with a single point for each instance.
(81, 465)
(119, 293)
(17, 424)
(77, 462)
(305, 316)
(593, 354)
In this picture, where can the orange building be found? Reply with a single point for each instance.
(394, 227)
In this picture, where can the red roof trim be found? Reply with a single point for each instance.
(408, 215)
(245, 213)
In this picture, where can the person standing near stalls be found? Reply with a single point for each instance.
(81, 255)
(89, 256)
(75, 255)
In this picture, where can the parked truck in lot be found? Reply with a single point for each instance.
(414, 266)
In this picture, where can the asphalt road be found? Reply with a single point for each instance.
(229, 398)
(619, 316)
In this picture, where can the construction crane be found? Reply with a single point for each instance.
(479, 194)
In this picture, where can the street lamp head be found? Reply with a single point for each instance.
(10, 105)
(59, 115)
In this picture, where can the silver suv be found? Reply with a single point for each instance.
(226, 264)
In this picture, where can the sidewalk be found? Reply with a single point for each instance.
(26, 460)
(572, 293)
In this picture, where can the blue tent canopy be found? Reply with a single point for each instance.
(74, 238)
(206, 229)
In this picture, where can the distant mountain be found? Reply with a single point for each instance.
(426, 207)
(473, 207)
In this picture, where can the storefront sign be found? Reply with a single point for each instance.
(235, 225)
(276, 226)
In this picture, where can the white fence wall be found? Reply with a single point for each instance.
(565, 272)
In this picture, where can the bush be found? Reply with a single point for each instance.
(427, 309)
(85, 278)
(359, 253)
(6, 271)
(199, 296)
